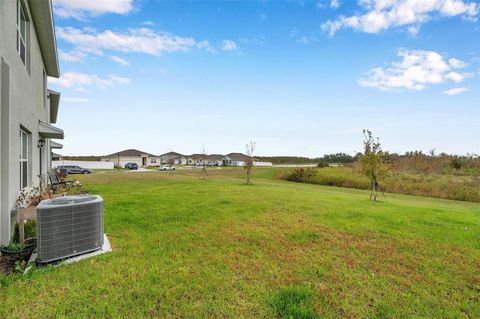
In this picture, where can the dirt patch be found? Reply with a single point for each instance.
(8, 262)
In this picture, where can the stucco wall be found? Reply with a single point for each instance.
(132, 159)
(26, 106)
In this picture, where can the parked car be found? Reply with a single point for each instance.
(166, 168)
(133, 166)
(73, 169)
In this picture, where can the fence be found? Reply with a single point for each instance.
(262, 164)
(85, 164)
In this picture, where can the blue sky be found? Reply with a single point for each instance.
(298, 77)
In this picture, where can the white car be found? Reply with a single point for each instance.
(166, 168)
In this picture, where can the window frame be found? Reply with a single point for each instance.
(23, 157)
(22, 39)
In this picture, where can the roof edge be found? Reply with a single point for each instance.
(42, 16)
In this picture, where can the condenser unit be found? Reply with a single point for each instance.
(69, 226)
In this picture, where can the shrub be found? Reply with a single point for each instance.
(301, 175)
(448, 186)
(456, 163)
(322, 164)
(30, 230)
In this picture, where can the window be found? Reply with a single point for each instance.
(24, 149)
(153, 160)
(21, 32)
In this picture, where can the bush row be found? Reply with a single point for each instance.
(463, 187)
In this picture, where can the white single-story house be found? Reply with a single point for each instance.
(146, 159)
(197, 159)
(236, 159)
(217, 159)
(132, 156)
(232, 159)
(173, 158)
(28, 54)
(56, 157)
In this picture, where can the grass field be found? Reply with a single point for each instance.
(448, 186)
(189, 248)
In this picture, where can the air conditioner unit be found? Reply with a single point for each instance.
(69, 226)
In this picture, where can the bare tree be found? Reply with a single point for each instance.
(203, 174)
(248, 165)
(372, 162)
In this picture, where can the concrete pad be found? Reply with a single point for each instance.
(106, 248)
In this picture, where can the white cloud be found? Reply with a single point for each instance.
(205, 45)
(120, 60)
(79, 81)
(141, 40)
(325, 4)
(119, 79)
(72, 56)
(229, 45)
(455, 91)
(80, 9)
(75, 99)
(417, 70)
(413, 30)
(303, 40)
(148, 22)
(457, 64)
(257, 41)
(455, 76)
(381, 15)
(334, 4)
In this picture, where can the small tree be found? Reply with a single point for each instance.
(248, 165)
(372, 162)
(204, 168)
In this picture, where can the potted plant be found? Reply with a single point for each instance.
(15, 248)
(26, 205)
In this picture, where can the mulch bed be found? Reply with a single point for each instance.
(7, 262)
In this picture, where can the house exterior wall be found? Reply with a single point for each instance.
(22, 104)
(173, 159)
(124, 160)
(154, 161)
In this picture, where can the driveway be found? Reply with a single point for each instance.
(139, 170)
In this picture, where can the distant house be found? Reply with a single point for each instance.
(236, 159)
(197, 159)
(173, 158)
(132, 156)
(217, 159)
(56, 157)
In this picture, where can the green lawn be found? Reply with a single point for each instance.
(185, 247)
